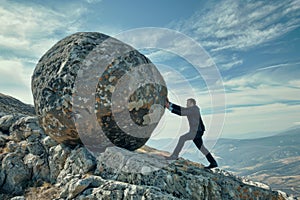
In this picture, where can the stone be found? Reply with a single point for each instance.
(39, 167)
(117, 159)
(36, 148)
(11, 146)
(76, 186)
(48, 142)
(17, 174)
(3, 139)
(120, 190)
(2, 176)
(25, 127)
(7, 121)
(57, 158)
(79, 161)
(92, 88)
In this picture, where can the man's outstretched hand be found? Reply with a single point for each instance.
(167, 103)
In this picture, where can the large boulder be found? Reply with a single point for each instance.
(94, 89)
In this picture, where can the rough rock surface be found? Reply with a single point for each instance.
(34, 166)
(91, 79)
(10, 105)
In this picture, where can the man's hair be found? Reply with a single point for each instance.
(192, 100)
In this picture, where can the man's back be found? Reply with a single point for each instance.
(195, 120)
(194, 117)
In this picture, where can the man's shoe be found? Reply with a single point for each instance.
(212, 161)
(211, 165)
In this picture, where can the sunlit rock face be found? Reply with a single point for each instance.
(94, 89)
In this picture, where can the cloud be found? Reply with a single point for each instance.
(241, 25)
(93, 1)
(31, 29)
(270, 86)
(168, 40)
(265, 99)
(281, 74)
(271, 117)
(264, 94)
(160, 56)
(12, 71)
(27, 31)
(233, 62)
(278, 65)
(15, 80)
(295, 83)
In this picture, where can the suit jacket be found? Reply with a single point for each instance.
(193, 114)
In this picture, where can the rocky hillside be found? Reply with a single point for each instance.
(10, 105)
(33, 166)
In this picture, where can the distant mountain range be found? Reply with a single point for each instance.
(274, 160)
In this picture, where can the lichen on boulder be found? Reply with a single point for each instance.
(91, 88)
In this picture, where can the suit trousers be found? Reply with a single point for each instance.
(197, 139)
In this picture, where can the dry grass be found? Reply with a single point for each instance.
(45, 192)
(149, 150)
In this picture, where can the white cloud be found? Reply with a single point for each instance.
(160, 56)
(271, 75)
(261, 87)
(32, 29)
(239, 25)
(278, 65)
(15, 80)
(271, 117)
(261, 101)
(12, 71)
(295, 83)
(235, 62)
(234, 24)
(168, 40)
(93, 1)
(264, 94)
(27, 31)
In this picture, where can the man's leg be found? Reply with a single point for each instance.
(199, 143)
(180, 144)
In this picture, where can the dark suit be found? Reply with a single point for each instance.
(193, 115)
(196, 124)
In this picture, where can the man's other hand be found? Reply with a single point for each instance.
(167, 103)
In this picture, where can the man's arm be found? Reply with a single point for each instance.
(179, 110)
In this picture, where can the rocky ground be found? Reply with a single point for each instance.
(33, 166)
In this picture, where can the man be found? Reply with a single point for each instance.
(196, 131)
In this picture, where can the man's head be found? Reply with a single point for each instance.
(190, 102)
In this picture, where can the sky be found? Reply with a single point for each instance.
(254, 46)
